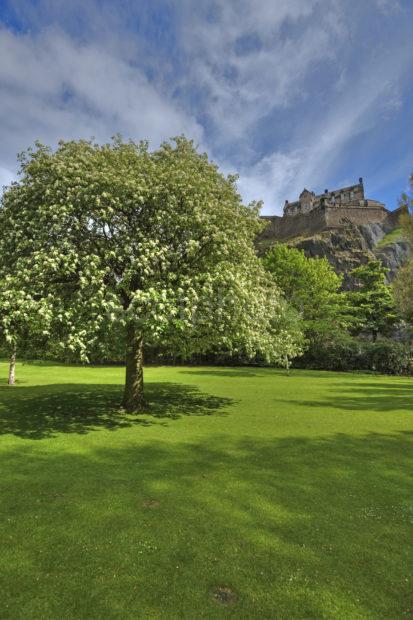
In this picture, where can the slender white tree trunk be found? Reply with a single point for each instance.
(12, 367)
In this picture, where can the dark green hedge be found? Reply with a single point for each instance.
(384, 355)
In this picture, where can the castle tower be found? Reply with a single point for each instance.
(306, 200)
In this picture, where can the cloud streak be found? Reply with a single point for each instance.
(52, 87)
(248, 62)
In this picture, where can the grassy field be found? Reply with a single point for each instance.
(245, 493)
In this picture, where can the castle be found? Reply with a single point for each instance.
(311, 214)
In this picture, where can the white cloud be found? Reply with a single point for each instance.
(271, 180)
(240, 88)
(53, 87)
(388, 6)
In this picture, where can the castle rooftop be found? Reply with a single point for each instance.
(345, 196)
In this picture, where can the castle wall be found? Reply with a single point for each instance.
(294, 225)
(323, 217)
(337, 216)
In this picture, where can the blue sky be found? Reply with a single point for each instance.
(287, 93)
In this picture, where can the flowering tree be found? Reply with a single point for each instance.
(157, 243)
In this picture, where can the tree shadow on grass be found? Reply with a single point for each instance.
(372, 397)
(298, 527)
(44, 411)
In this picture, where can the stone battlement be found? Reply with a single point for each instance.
(312, 214)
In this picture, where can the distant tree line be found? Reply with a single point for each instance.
(361, 329)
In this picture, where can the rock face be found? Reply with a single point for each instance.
(393, 256)
(350, 246)
(348, 234)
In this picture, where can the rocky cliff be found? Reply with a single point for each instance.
(350, 245)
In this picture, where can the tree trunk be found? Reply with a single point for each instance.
(12, 367)
(133, 394)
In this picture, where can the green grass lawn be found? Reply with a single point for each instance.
(291, 494)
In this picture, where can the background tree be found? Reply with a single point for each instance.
(336, 322)
(372, 300)
(19, 324)
(403, 291)
(157, 243)
(312, 287)
(406, 218)
(403, 284)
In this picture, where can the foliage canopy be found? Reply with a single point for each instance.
(373, 300)
(403, 285)
(312, 287)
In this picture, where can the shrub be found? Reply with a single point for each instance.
(388, 356)
(351, 353)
